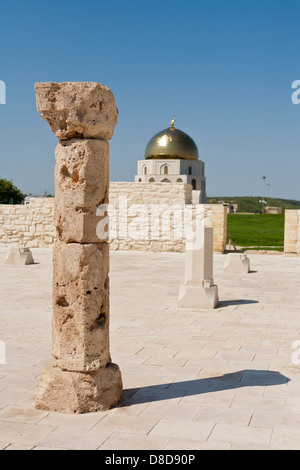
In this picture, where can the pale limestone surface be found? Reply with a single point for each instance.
(81, 110)
(221, 379)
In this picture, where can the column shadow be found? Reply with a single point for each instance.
(228, 303)
(169, 391)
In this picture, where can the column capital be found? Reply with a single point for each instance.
(82, 110)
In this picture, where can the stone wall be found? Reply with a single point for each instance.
(292, 232)
(29, 225)
(219, 223)
(143, 217)
(138, 212)
(153, 217)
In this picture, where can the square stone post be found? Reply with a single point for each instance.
(198, 290)
(82, 377)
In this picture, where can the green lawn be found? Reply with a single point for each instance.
(260, 231)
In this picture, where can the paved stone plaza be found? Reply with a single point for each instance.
(208, 379)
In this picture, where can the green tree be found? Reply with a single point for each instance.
(9, 192)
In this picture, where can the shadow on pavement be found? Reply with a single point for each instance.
(244, 378)
(228, 303)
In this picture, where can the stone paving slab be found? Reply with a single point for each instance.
(205, 379)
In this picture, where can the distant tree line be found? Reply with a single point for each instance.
(254, 205)
(10, 194)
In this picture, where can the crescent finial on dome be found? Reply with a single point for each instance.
(172, 122)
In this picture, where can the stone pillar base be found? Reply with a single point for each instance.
(198, 297)
(19, 257)
(79, 392)
(237, 264)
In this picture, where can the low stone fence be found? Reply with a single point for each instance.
(292, 232)
(143, 217)
(29, 225)
(154, 217)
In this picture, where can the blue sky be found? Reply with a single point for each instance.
(225, 68)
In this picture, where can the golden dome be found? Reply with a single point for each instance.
(172, 143)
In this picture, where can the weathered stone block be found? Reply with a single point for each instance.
(81, 306)
(82, 179)
(77, 110)
(77, 392)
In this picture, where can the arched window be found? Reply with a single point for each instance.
(165, 180)
(179, 180)
(151, 180)
(145, 170)
(165, 170)
(190, 171)
(194, 184)
(140, 180)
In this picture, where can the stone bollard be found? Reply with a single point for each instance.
(237, 264)
(82, 377)
(19, 257)
(198, 290)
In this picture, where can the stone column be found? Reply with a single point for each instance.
(82, 377)
(198, 290)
